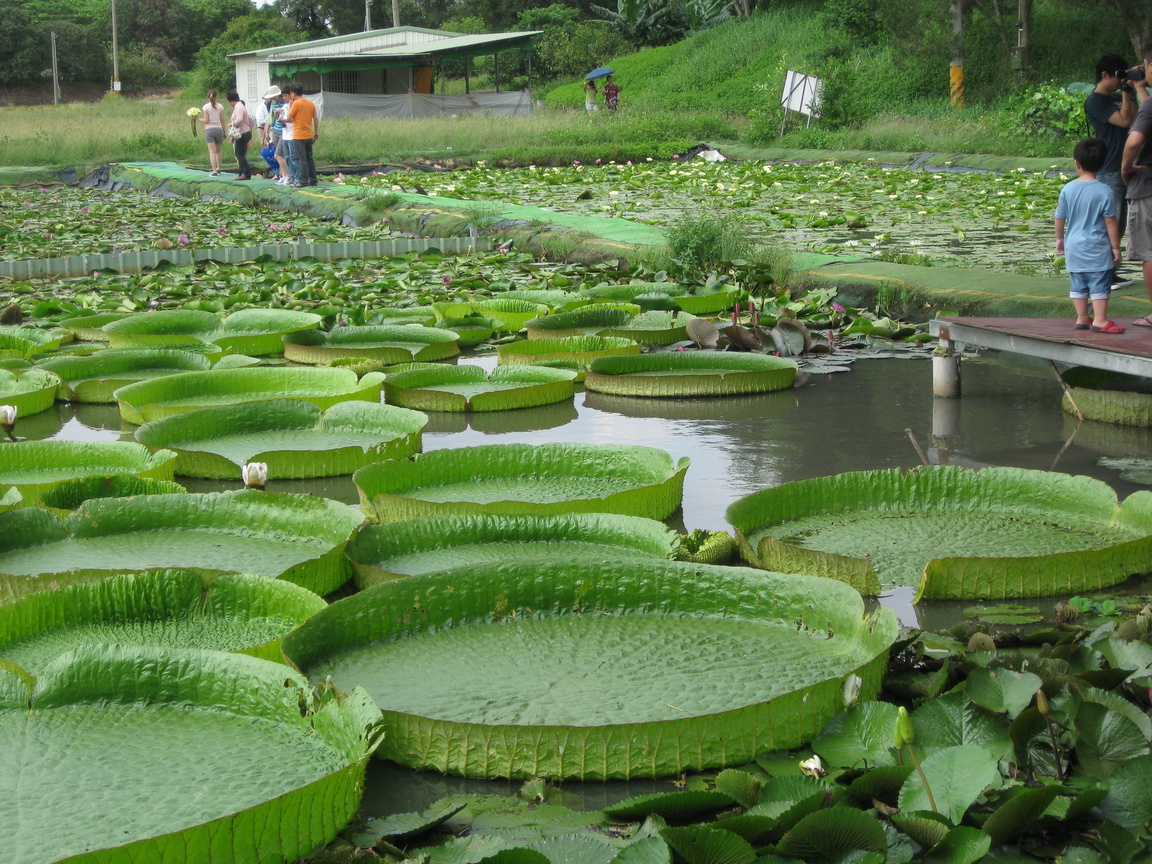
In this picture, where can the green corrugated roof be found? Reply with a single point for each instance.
(453, 43)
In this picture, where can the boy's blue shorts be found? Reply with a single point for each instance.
(1095, 285)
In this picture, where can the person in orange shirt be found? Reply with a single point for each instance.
(305, 131)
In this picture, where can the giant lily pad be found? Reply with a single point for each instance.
(293, 438)
(575, 349)
(512, 313)
(36, 466)
(470, 330)
(163, 327)
(597, 669)
(520, 478)
(1000, 532)
(417, 546)
(29, 392)
(249, 331)
(387, 345)
(646, 295)
(258, 332)
(578, 322)
(654, 328)
(172, 608)
(175, 755)
(1110, 397)
(690, 373)
(25, 342)
(297, 538)
(94, 378)
(471, 388)
(174, 394)
(89, 326)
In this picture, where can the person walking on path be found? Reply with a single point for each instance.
(1136, 170)
(240, 121)
(591, 94)
(1110, 118)
(1088, 235)
(212, 116)
(287, 143)
(274, 133)
(305, 131)
(611, 94)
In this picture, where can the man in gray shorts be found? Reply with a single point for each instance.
(1136, 170)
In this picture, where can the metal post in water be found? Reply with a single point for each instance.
(946, 368)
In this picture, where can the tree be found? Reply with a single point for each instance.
(24, 51)
(569, 47)
(213, 68)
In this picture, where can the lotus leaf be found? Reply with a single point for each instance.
(596, 669)
(512, 314)
(386, 345)
(175, 755)
(89, 327)
(297, 538)
(25, 342)
(425, 316)
(471, 330)
(1110, 397)
(577, 349)
(417, 546)
(172, 608)
(72, 493)
(471, 388)
(174, 394)
(30, 392)
(164, 327)
(292, 437)
(519, 478)
(695, 373)
(579, 322)
(94, 378)
(654, 328)
(36, 466)
(259, 332)
(647, 295)
(997, 533)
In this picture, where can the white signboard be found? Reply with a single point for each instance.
(801, 93)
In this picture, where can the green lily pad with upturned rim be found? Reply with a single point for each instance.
(689, 373)
(162, 327)
(21, 342)
(387, 345)
(29, 392)
(70, 494)
(578, 349)
(579, 322)
(522, 478)
(34, 467)
(96, 377)
(595, 669)
(1108, 397)
(165, 608)
(236, 761)
(250, 331)
(174, 394)
(471, 388)
(958, 533)
(89, 327)
(470, 330)
(417, 546)
(297, 538)
(293, 438)
(654, 328)
(261, 332)
(512, 314)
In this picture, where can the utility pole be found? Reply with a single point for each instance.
(115, 54)
(395, 13)
(1020, 53)
(367, 15)
(55, 74)
(956, 70)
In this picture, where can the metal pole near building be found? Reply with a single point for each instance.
(395, 13)
(55, 74)
(115, 54)
(956, 71)
(367, 15)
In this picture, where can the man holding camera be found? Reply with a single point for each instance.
(1136, 171)
(1110, 121)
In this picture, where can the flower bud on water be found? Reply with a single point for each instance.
(904, 733)
(1042, 703)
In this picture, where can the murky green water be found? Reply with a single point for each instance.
(1009, 415)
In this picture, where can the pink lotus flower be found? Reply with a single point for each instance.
(49, 234)
(575, 161)
(221, 231)
(836, 307)
(437, 166)
(183, 239)
(287, 226)
(597, 161)
(447, 280)
(273, 227)
(83, 209)
(407, 168)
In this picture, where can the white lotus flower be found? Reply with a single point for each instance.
(8, 420)
(813, 767)
(255, 475)
(852, 685)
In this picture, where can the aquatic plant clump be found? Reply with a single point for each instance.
(695, 373)
(635, 668)
(471, 388)
(954, 532)
(175, 755)
(519, 478)
(417, 546)
(292, 437)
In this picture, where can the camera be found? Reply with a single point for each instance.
(1134, 74)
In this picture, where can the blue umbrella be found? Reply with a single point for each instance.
(599, 73)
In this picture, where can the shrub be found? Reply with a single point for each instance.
(705, 240)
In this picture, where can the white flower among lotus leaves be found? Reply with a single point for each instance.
(852, 685)
(813, 768)
(255, 475)
(8, 419)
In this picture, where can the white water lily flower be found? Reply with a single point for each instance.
(255, 474)
(8, 415)
(852, 685)
(813, 768)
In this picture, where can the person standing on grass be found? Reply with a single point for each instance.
(242, 121)
(1136, 170)
(1110, 119)
(305, 131)
(611, 94)
(212, 116)
(591, 94)
(1088, 235)
(274, 133)
(287, 143)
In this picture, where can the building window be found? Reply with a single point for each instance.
(252, 94)
(341, 81)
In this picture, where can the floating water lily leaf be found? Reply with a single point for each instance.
(253, 767)
(1002, 690)
(404, 826)
(164, 327)
(654, 328)
(791, 338)
(383, 552)
(88, 326)
(72, 493)
(512, 313)
(259, 332)
(471, 388)
(1134, 469)
(827, 834)
(962, 845)
(741, 786)
(999, 532)
(647, 850)
(674, 806)
(623, 636)
(703, 333)
(957, 776)
(703, 844)
(94, 378)
(521, 478)
(293, 438)
(1129, 798)
(1107, 740)
(579, 322)
(27, 342)
(1017, 815)
(952, 719)
(163, 397)
(297, 538)
(577, 349)
(29, 392)
(470, 330)
(861, 736)
(1109, 397)
(36, 466)
(386, 345)
(167, 608)
(696, 373)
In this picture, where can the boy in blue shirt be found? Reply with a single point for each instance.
(1088, 235)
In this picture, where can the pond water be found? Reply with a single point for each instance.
(1009, 415)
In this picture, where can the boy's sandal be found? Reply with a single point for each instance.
(1085, 326)
(1109, 327)
(1146, 321)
